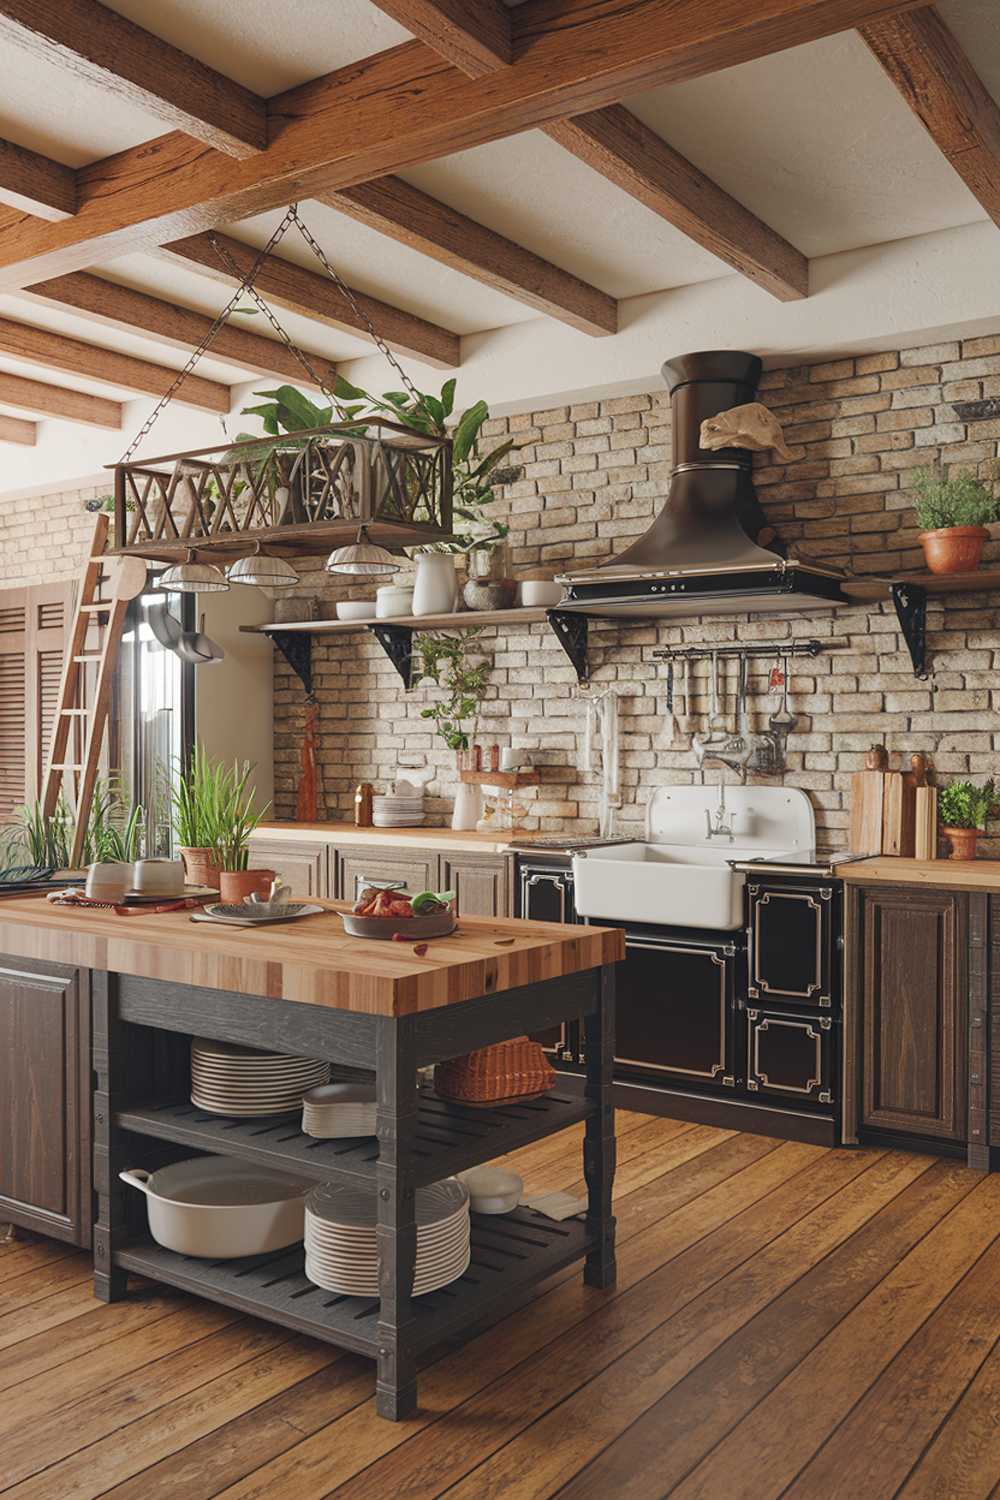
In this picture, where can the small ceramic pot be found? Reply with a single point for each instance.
(538, 593)
(393, 600)
(954, 549)
(435, 591)
(158, 877)
(236, 885)
(962, 841)
(201, 867)
(480, 594)
(108, 880)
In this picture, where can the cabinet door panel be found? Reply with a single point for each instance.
(790, 945)
(914, 1003)
(358, 868)
(674, 1011)
(45, 1099)
(479, 882)
(302, 865)
(790, 1056)
(546, 895)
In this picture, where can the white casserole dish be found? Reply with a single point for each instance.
(217, 1207)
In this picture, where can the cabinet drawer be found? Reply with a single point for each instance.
(674, 1011)
(302, 865)
(479, 882)
(790, 942)
(357, 868)
(790, 1056)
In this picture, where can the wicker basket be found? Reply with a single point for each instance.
(494, 1075)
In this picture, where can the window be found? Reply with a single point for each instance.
(155, 712)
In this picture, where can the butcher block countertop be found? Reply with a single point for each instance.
(312, 960)
(396, 840)
(956, 874)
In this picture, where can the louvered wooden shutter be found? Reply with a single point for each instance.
(49, 614)
(13, 699)
(32, 626)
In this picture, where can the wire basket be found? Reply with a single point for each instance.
(517, 1069)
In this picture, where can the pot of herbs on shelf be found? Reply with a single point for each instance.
(953, 514)
(963, 808)
(453, 663)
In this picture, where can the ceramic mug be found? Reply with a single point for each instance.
(158, 877)
(108, 881)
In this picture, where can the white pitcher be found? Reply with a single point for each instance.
(435, 591)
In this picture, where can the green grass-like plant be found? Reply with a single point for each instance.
(963, 804)
(214, 808)
(959, 501)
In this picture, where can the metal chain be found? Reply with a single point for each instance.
(244, 287)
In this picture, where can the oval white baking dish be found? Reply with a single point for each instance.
(217, 1207)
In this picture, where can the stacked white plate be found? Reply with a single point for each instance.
(341, 1250)
(227, 1079)
(395, 811)
(337, 1111)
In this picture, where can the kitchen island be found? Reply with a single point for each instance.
(308, 989)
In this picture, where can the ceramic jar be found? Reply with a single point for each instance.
(435, 591)
(108, 880)
(393, 599)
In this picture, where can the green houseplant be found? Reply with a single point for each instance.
(451, 663)
(963, 808)
(953, 514)
(236, 819)
(214, 818)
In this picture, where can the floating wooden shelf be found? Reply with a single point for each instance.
(511, 780)
(463, 620)
(981, 581)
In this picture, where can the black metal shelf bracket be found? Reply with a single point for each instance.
(296, 647)
(911, 611)
(571, 631)
(397, 643)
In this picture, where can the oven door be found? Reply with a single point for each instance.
(545, 894)
(674, 1011)
(790, 1057)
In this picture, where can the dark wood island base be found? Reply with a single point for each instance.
(142, 1029)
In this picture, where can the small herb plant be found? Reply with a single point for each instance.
(961, 501)
(448, 662)
(963, 804)
(238, 817)
(214, 808)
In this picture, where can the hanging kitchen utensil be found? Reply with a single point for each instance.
(671, 714)
(782, 721)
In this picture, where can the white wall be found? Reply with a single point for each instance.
(234, 704)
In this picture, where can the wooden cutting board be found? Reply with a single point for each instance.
(899, 810)
(925, 822)
(867, 805)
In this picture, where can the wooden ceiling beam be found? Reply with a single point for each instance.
(623, 149)
(13, 430)
(475, 35)
(405, 106)
(35, 184)
(314, 295)
(106, 49)
(413, 218)
(939, 83)
(46, 400)
(116, 306)
(54, 351)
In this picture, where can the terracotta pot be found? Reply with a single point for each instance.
(963, 842)
(237, 885)
(200, 867)
(954, 549)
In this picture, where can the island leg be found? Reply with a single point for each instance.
(599, 1138)
(110, 1281)
(396, 1123)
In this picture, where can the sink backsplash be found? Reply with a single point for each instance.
(594, 475)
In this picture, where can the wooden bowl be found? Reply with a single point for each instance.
(438, 924)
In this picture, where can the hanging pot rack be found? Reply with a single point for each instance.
(290, 494)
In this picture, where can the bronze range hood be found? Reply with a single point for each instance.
(710, 551)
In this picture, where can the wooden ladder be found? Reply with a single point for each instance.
(122, 578)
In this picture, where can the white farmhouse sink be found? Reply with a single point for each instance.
(688, 882)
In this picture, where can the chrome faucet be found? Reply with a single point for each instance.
(717, 824)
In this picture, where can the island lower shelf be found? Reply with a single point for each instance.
(509, 1254)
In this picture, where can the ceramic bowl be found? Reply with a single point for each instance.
(492, 1190)
(440, 924)
(393, 600)
(356, 609)
(536, 593)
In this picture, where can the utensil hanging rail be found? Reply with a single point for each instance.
(768, 649)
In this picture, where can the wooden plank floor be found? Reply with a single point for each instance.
(788, 1321)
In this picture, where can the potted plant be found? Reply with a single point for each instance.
(236, 818)
(195, 799)
(451, 663)
(963, 808)
(953, 515)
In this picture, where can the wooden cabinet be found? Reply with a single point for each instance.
(355, 867)
(674, 1011)
(912, 953)
(480, 883)
(45, 1098)
(303, 864)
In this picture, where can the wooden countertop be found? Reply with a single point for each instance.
(956, 874)
(398, 838)
(312, 961)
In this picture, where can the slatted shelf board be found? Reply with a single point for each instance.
(509, 1252)
(449, 1138)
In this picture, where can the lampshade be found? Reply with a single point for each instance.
(190, 577)
(361, 557)
(269, 572)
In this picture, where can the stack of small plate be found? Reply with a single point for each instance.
(341, 1250)
(395, 811)
(239, 1081)
(336, 1111)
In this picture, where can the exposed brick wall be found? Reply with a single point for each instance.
(44, 538)
(594, 476)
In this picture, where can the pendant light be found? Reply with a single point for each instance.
(191, 577)
(263, 570)
(362, 558)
